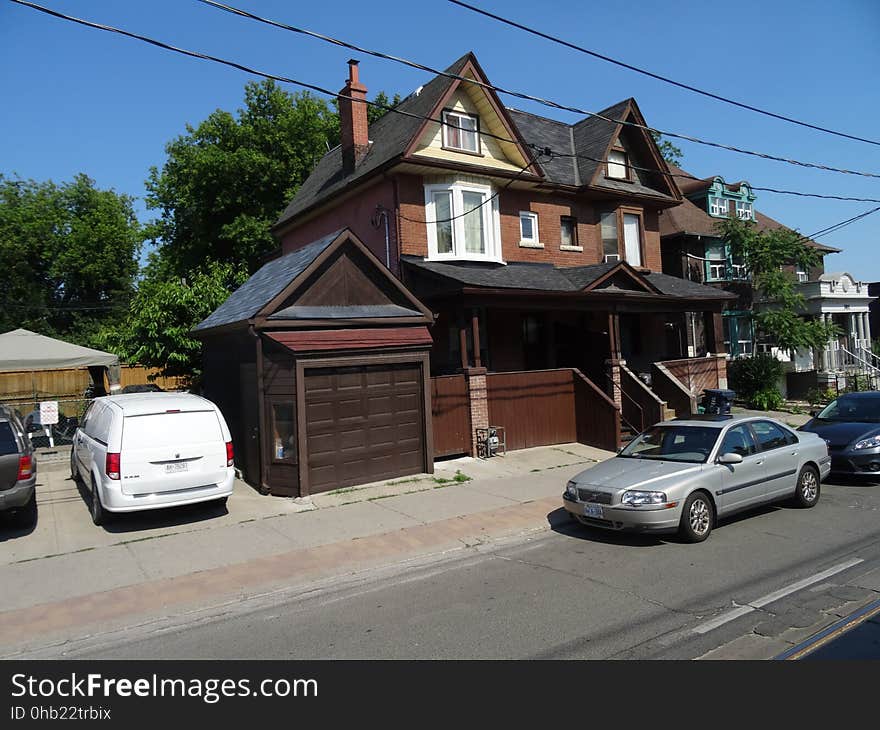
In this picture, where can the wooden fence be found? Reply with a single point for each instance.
(699, 373)
(451, 416)
(39, 385)
(544, 407)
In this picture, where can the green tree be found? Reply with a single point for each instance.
(164, 311)
(765, 255)
(226, 181)
(672, 154)
(381, 101)
(70, 257)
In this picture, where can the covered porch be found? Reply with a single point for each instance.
(615, 325)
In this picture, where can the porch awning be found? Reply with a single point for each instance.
(616, 280)
(352, 339)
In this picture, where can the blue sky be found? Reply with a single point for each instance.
(80, 100)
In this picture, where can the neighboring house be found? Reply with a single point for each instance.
(692, 248)
(534, 246)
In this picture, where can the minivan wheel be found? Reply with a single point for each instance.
(807, 493)
(697, 518)
(27, 515)
(96, 508)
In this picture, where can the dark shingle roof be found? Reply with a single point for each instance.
(546, 277)
(391, 134)
(389, 137)
(267, 283)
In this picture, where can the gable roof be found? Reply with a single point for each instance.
(394, 133)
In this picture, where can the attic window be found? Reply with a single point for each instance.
(718, 206)
(461, 132)
(618, 164)
(743, 210)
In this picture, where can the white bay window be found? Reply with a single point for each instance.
(462, 221)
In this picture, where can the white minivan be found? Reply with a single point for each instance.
(150, 450)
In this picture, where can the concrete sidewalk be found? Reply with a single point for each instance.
(68, 575)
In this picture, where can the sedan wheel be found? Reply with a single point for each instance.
(697, 517)
(807, 493)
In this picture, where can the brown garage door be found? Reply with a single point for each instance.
(363, 424)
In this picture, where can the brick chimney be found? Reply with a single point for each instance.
(353, 120)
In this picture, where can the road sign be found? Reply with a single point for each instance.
(49, 412)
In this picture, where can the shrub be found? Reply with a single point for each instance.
(756, 374)
(768, 399)
(818, 397)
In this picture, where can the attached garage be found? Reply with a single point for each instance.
(363, 424)
(341, 393)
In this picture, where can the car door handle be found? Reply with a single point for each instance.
(758, 463)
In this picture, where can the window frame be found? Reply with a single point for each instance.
(714, 202)
(620, 212)
(489, 212)
(444, 134)
(747, 206)
(788, 435)
(746, 427)
(271, 402)
(575, 238)
(626, 164)
(535, 241)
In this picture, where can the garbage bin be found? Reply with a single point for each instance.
(718, 401)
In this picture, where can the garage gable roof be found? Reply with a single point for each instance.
(334, 278)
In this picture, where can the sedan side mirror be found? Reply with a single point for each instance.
(730, 458)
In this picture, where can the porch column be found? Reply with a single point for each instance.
(478, 403)
(860, 332)
(612, 367)
(867, 317)
(462, 339)
(475, 332)
(612, 364)
(853, 334)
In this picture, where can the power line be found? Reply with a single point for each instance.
(842, 224)
(521, 95)
(389, 108)
(665, 79)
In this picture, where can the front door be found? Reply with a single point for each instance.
(743, 484)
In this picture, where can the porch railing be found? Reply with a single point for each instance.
(650, 408)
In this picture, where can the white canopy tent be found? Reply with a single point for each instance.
(22, 350)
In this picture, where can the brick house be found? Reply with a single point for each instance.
(534, 247)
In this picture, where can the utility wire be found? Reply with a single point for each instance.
(665, 79)
(521, 95)
(842, 224)
(388, 108)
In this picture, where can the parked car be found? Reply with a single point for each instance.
(149, 450)
(142, 388)
(681, 475)
(850, 425)
(18, 468)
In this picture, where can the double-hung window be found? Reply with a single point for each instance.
(743, 210)
(461, 132)
(528, 229)
(618, 165)
(716, 262)
(462, 222)
(611, 224)
(718, 206)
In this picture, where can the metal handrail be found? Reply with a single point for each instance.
(863, 362)
(631, 400)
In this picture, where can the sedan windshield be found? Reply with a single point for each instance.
(859, 410)
(673, 443)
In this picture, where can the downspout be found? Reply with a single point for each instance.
(382, 214)
(261, 408)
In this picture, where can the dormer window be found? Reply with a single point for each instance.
(744, 210)
(618, 164)
(461, 132)
(718, 206)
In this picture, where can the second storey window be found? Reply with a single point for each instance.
(568, 231)
(462, 222)
(528, 228)
(743, 210)
(461, 132)
(610, 244)
(718, 206)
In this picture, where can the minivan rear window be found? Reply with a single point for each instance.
(8, 444)
(170, 429)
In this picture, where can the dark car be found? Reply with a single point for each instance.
(18, 468)
(850, 426)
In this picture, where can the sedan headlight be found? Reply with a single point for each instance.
(571, 490)
(871, 443)
(637, 498)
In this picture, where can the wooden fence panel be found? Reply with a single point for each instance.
(536, 408)
(697, 373)
(451, 416)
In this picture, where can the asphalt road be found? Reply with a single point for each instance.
(761, 583)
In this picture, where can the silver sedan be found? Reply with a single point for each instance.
(681, 475)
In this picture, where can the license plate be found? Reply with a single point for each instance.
(593, 510)
(175, 468)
